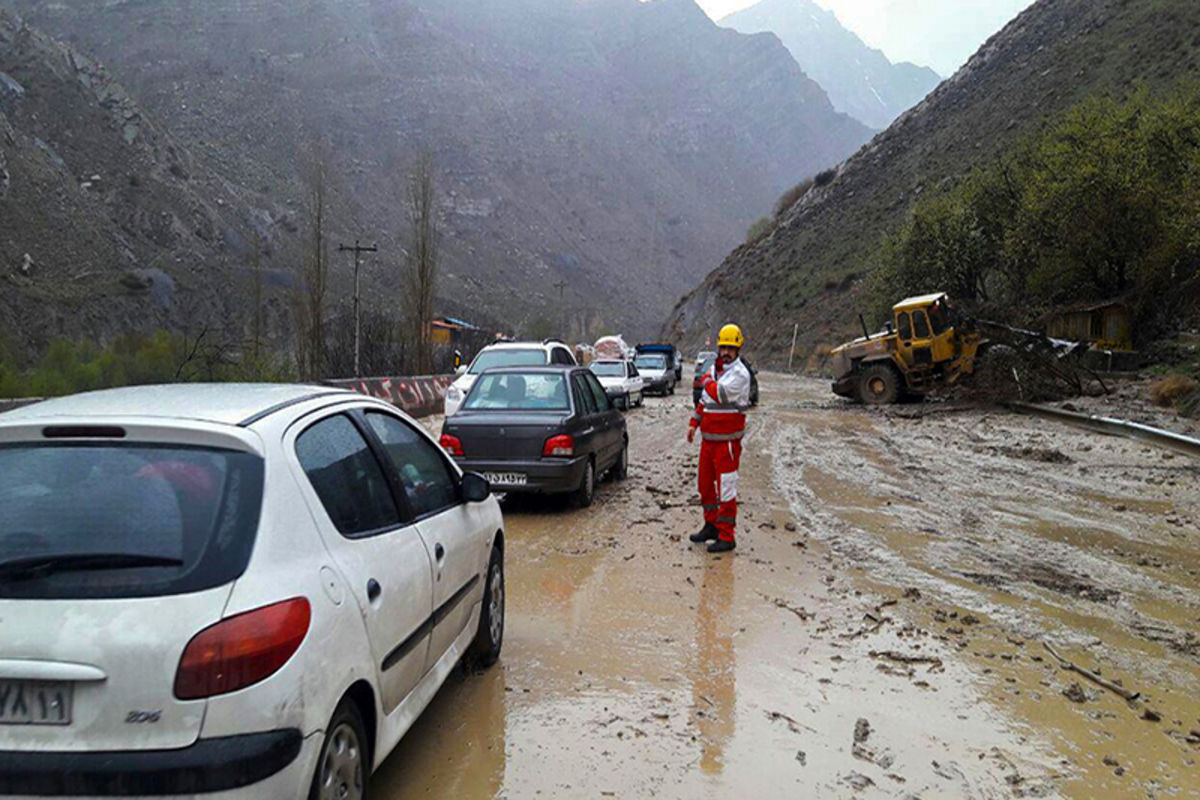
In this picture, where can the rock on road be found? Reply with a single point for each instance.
(877, 633)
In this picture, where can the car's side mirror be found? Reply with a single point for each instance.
(475, 488)
(461, 369)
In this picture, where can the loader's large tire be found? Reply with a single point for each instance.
(879, 385)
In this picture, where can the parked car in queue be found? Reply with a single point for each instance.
(548, 430)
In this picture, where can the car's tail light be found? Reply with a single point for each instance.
(242, 650)
(559, 446)
(452, 445)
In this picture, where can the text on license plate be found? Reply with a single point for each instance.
(506, 478)
(35, 703)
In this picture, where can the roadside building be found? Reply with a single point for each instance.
(1106, 326)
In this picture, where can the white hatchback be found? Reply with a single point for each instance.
(505, 354)
(230, 591)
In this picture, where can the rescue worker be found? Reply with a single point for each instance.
(721, 419)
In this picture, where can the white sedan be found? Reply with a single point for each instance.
(230, 591)
(621, 380)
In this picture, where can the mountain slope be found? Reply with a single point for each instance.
(1050, 57)
(614, 147)
(106, 222)
(859, 80)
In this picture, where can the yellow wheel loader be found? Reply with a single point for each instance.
(928, 345)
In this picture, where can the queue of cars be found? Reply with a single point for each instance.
(259, 588)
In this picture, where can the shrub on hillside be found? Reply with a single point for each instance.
(792, 196)
(760, 230)
(1172, 391)
(1103, 204)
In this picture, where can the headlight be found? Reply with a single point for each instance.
(453, 394)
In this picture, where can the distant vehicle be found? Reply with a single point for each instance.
(657, 373)
(706, 365)
(506, 354)
(674, 358)
(539, 429)
(230, 591)
(622, 381)
(705, 355)
(611, 348)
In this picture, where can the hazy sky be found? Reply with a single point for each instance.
(937, 33)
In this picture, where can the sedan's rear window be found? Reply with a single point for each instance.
(509, 391)
(124, 520)
(609, 369)
(490, 359)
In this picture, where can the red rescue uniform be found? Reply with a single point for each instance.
(721, 418)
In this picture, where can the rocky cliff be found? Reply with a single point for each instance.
(859, 80)
(107, 222)
(615, 148)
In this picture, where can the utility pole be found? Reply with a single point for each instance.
(792, 355)
(562, 285)
(358, 250)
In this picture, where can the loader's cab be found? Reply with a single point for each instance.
(926, 335)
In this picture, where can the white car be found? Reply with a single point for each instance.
(506, 354)
(230, 591)
(621, 381)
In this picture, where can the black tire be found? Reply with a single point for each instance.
(489, 639)
(879, 385)
(625, 402)
(586, 493)
(344, 763)
(620, 470)
(671, 389)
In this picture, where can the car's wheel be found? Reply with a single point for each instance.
(620, 470)
(879, 385)
(485, 649)
(625, 402)
(671, 389)
(583, 496)
(342, 769)
(641, 399)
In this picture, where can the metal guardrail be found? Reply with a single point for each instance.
(1114, 427)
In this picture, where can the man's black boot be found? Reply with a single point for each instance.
(708, 533)
(721, 546)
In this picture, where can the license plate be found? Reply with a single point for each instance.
(35, 703)
(506, 478)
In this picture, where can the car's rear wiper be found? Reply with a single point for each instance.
(41, 566)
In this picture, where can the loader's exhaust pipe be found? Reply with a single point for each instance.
(863, 322)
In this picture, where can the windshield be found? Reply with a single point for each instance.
(508, 358)
(705, 365)
(184, 518)
(609, 369)
(519, 392)
(650, 362)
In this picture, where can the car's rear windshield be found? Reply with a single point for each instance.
(124, 520)
(489, 359)
(510, 391)
(609, 369)
(650, 362)
(705, 365)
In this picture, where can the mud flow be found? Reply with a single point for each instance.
(878, 633)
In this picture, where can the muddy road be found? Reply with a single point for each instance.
(878, 633)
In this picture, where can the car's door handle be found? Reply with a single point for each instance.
(439, 553)
(373, 590)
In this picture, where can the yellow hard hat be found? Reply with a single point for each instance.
(731, 336)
